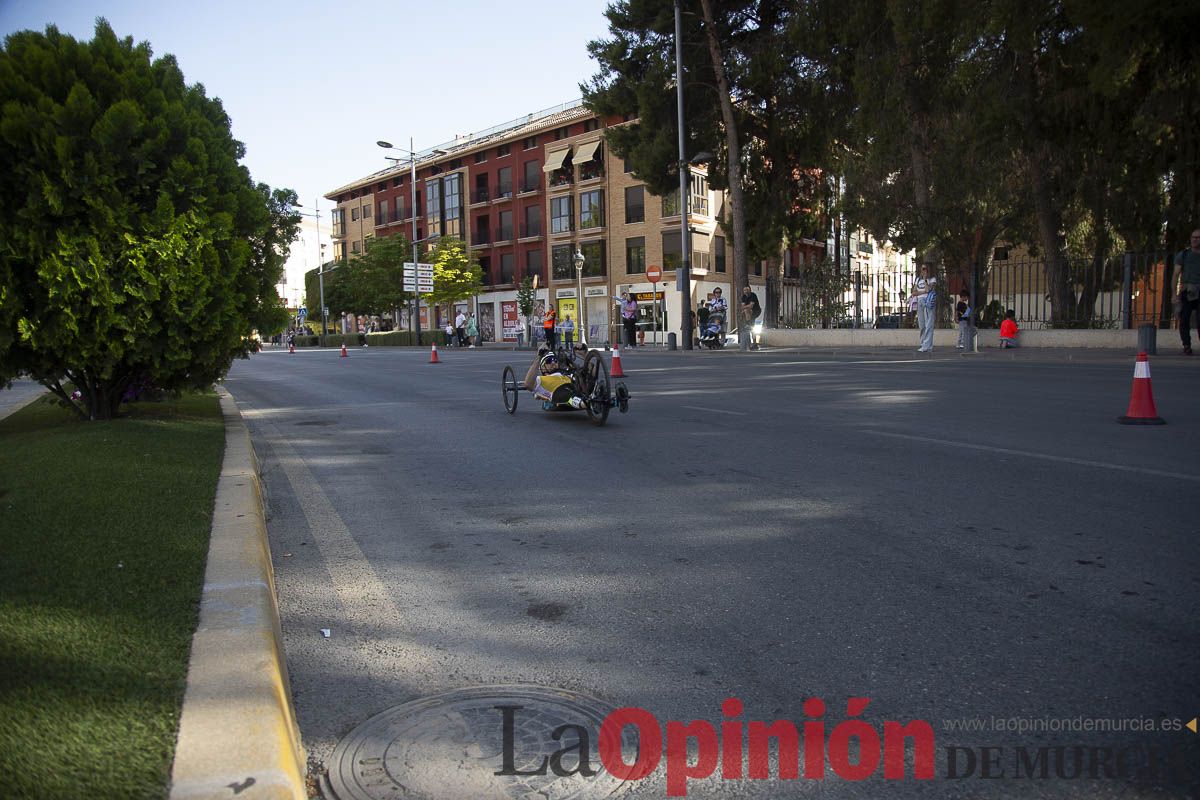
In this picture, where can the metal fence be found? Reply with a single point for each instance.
(1121, 292)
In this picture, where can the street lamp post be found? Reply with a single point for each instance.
(412, 160)
(578, 258)
(685, 275)
(316, 215)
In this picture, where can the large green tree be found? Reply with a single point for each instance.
(456, 275)
(134, 247)
(374, 282)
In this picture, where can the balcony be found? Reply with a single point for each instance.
(503, 192)
(562, 177)
(503, 235)
(481, 238)
(528, 186)
(529, 230)
(560, 226)
(635, 214)
(591, 170)
(481, 195)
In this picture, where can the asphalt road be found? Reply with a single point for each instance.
(957, 537)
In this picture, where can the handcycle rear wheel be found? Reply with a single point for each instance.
(508, 385)
(596, 388)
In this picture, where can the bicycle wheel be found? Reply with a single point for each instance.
(595, 387)
(508, 385)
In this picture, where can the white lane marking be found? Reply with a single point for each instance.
(717, 410)
(1044, 456)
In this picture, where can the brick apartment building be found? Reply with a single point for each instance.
(525, 196)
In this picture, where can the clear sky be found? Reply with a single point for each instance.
(311, 86)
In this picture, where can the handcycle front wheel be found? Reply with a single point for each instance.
(508, 385)
(595, 387)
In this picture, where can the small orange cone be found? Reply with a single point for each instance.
(433, 359)
(616, 370)
(1141, 397)
(344, 353)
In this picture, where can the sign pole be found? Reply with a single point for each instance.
(653, 274)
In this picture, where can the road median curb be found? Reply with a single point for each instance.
(238, 735)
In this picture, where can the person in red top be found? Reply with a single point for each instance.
(548, 324)
(1008, 330)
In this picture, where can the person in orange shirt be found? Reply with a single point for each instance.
(549, 325)
(1008, 330)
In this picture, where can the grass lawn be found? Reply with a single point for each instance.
(104, 531)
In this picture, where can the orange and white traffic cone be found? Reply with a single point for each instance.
(1141, 397)
(433, 359)
(616, 370)
(344, 353)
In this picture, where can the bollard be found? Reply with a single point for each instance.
(671, 340)
(1147, 339)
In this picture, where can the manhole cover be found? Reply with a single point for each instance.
(449, 747)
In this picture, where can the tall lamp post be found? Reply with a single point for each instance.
(578, 258)
(316, 215)
(412, 161)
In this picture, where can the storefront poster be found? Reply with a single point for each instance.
(487, 322)
(509, 322)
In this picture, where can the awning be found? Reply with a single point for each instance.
(555, 159)
(586, 152)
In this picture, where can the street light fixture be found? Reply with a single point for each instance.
(412, 160)
(579, 258)
(320, 265)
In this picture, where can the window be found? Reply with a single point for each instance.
(635, 255)
(481, 189)
(672, 250)
(698, 194)
(562, 133)
(533, 263)
(485, 266)
(562, 262)
(507, 261)
(1000, 254)
(529, 143)
(533, 177)
(719, 253)
(504, 182)
(757, 267)
(381, 187)
(339, 222)
(354, 247)
(383, 209)
(670, 204)
(503, 150)
(591, 210)
(532, 225)
(481, 157)
(560, 215)
(635, 204)
(354, 214)
(505, 232)
(482, 233)
(593, 259)
(626, 165)
(366, 211)
(397, 181)
(591, 124)
(433, 199)
(453, 205)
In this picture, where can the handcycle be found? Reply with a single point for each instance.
(564, 382)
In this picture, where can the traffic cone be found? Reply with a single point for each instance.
(344, 353)
(1141, 398)
(433, 359)
(616, 370)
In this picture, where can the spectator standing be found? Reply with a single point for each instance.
(548, 325)
(460, 328)
(472, 330)
(449, 330)
(568, 331)
(1186, 281)
(629, 310)
(1008, 330)
(964, 315)
(751, 311)
(925, 291)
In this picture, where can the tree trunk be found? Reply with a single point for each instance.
(737, 205)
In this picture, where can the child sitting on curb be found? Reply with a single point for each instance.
(1008, 330)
